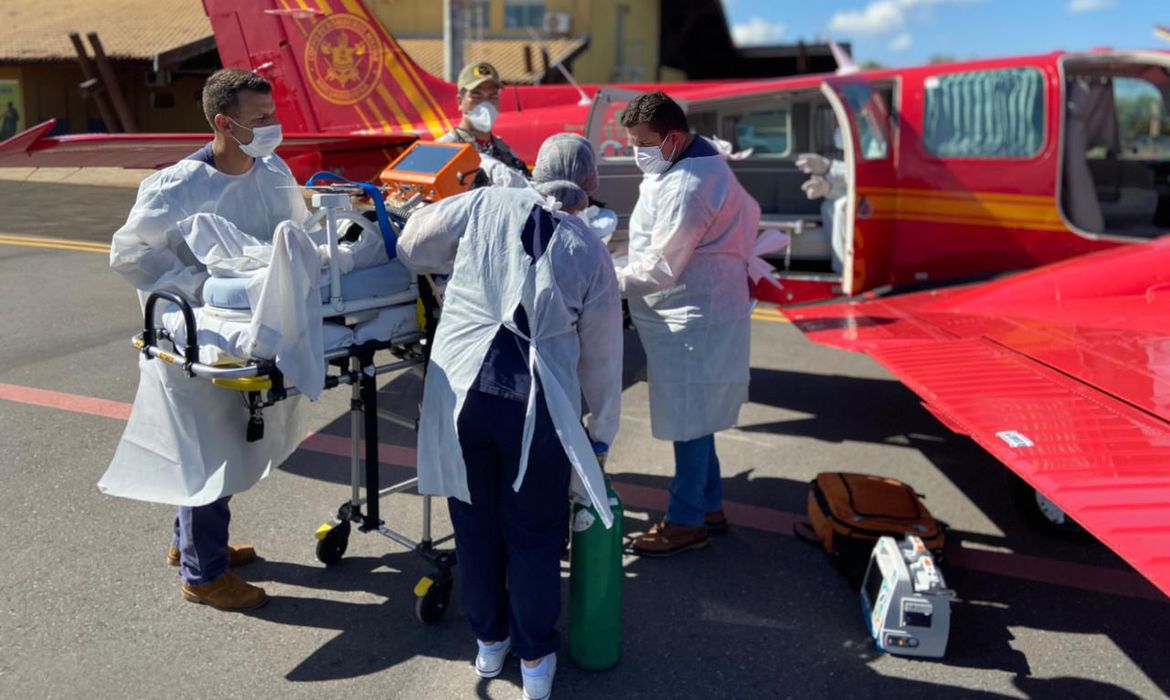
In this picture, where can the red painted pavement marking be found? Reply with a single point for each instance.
(1021, 566)
(65, 402)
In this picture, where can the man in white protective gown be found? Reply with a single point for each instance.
(185, 443)
(531, 324)
(692, 235)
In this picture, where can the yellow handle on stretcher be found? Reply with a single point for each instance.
(244, 383)
(236, 384)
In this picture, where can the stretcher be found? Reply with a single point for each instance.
(376, 329)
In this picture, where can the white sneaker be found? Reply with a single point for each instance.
(538, 681)
(490, 659)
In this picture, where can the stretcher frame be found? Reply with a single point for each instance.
(262, 385)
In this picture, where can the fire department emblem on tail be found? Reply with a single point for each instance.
(343, 59)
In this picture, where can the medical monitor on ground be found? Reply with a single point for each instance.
(432, 170)
(904, 598)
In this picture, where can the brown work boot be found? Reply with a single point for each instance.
(228, 592)
(667, 539)
(716, 522)
(238, 555)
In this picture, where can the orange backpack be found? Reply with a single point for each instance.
(849, 512)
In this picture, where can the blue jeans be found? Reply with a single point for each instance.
(509, 543)
(201, 534)
(697, 486)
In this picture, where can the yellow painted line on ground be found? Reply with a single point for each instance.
(55, 243)
(769, 315)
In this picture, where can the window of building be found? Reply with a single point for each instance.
(479, 14)
(766, 132)
(985, 114)
(522, 14)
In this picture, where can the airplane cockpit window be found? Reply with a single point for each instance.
(985, 114)
(870, 124)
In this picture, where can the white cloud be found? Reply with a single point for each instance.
(901, 42)
(1077, 6)
(887, 16)
(757, 31)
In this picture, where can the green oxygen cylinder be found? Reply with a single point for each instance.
(595, 586)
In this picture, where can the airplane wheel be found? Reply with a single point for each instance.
(331, 548)
(1043, 513)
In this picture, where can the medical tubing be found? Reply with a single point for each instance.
(389, 235)
(150, 333)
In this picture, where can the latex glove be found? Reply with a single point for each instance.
(812, 163)
(769, 242)
(816, 187)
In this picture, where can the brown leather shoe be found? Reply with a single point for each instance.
(228, 592)
(666, 539)
(238, 555)
(716, 522)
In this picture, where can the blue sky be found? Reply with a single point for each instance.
(908, 32)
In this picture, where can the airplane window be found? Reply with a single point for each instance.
(871, 124)
(1143, 121)
(765, 132)
(613, 140)
(985, 114)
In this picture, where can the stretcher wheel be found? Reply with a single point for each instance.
(332, 543)
(432, 600)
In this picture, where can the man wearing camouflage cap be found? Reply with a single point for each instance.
(479, 101)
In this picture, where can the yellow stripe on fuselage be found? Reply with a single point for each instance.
(991, 209)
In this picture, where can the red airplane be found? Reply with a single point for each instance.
(952, 172)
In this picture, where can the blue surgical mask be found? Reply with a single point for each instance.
(650, 159)
(265, 139)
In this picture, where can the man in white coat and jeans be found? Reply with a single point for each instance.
(691, 236)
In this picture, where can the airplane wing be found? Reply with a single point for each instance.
(1062, 373)
(35, 148)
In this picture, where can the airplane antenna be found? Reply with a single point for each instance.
(585, 100)
(845, 64)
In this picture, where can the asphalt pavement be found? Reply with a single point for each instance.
(90, 609)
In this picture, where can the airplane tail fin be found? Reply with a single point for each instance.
(333, 66)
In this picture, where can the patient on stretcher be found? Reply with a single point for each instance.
(268, 300)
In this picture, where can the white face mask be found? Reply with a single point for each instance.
(265, 139)
(650, 160)
(483, 117)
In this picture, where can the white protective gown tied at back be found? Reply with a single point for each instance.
(691, 236)
(571, 300)
(185, 442)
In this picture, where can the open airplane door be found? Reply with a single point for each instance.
(871, 199)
